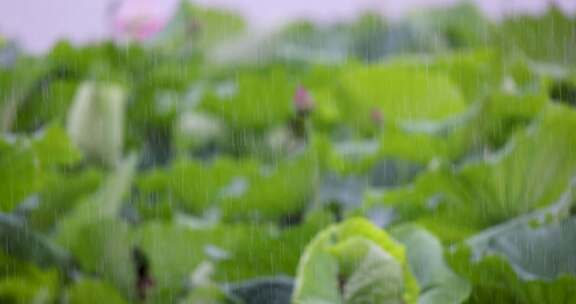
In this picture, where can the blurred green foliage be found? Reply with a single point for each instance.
(213, 183)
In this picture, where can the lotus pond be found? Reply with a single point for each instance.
(430, 160)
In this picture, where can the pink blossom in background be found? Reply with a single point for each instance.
(137, 19)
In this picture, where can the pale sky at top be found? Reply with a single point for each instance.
(36, 24)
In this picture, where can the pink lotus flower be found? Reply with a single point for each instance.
(137, 20)
(303, 102)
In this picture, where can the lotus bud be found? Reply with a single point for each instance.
(96, 121)
(376, 116)
(303, 102)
